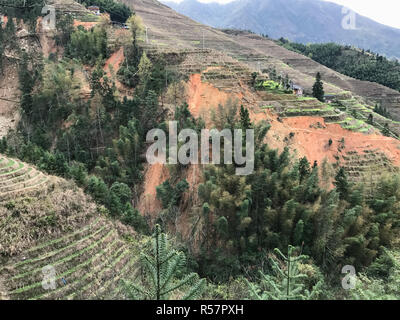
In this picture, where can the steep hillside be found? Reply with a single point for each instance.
(46, 221)
(303, 125)
(324, 179)
(305, 21)
(223, 70)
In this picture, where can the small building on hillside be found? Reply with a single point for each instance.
(95, 10)
(297, 90)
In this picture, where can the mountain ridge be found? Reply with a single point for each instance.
(316, 22)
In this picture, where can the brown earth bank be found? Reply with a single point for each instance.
(204, 97)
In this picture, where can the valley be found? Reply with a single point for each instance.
(77, 194)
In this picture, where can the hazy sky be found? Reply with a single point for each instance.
(383, 11)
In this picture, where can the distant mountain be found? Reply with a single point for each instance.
(302, 21)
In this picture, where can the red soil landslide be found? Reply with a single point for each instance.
(154, 176)
(204, 97)
(114, 61)
(312, 134)
(311, 139)
(111, 68)
(313, 142)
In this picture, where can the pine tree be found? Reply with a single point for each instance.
(386, 131)
(304, 169)
(253, 79)
(370, 119)
(161, 268)
(311, 187)
(286, 82)
(318, 88)
(144, 69)
(244, 118)
(342, 184)
(287, 283)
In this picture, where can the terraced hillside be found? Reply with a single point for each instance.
(49, 222)
(366, 166)
(170, 29)
(18, 179)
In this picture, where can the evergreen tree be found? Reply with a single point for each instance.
(136, 26)
(386, 131)
(286, 283)
(342, 184)
(253, 78)
(98, 189)
(304, 169)
(144, 69)
(161, 268)
(120, 196)
(370, 119)
(169, 195)
(379, 286)
(244, 118)
(318, 88)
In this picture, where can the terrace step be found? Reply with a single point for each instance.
(30, 283)
(39, 187)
